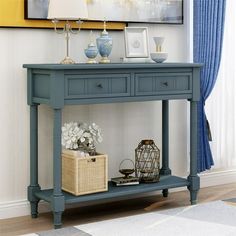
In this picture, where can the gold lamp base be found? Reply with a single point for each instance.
(104, 60)
(66, 30)
(91, 61)
(67, 60)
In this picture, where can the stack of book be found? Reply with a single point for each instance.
(121, 181)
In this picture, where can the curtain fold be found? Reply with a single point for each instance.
(208, 28)
(221, 104)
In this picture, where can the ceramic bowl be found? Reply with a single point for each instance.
(159, 56)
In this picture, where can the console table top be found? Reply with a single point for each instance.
(111, 66)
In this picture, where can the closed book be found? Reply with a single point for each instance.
(120, 181)
(125, 184)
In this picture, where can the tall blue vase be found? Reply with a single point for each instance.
(104, 45)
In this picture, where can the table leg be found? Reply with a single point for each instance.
(165, 170)
(58, 200)
(34, 186)
(193, 178)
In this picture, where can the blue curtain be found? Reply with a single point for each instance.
(208, 31)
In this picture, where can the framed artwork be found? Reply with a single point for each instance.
(148, 11)
(136, 42)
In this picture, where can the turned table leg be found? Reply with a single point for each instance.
(58, 200)
(165, 170)
(34, 186)
(193, 178)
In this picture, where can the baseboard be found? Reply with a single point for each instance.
(19, 208)
(213, 178)
(218, 178)
(22, 207)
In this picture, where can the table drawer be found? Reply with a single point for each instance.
(110, 85)
(163, 83)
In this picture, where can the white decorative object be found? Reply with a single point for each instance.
(81, 136)
(67, 10)
(159, 56)
(136, 42)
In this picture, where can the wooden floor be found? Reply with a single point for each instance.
(82, 215)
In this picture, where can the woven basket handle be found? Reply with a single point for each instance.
(126, 160)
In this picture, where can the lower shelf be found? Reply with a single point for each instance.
(166, 182)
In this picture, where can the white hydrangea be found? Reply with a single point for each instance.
(95, 132)
(71, 133)
(74, 135)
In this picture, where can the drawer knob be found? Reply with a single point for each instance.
(99, 86)
(165, 83)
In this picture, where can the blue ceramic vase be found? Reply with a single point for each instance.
(91, 52)
(104, 45)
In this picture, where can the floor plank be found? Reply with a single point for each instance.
(87, 214)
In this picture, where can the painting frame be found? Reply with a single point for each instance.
(136, 42)
(157, 11)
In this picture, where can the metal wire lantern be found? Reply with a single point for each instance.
(147, 162)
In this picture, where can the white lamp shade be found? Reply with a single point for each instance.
(67, 9)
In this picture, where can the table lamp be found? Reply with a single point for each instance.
(68, 10)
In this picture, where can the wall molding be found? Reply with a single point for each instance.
(19, 208)
(215, 178)
(22, 207)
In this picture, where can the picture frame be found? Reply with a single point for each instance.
(136, 42)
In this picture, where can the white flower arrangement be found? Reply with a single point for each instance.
(78, 136)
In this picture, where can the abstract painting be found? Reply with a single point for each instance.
(149, 11)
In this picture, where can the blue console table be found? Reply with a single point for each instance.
(59, 85)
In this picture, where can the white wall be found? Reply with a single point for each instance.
(123, 124)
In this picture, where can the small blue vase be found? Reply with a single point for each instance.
(91, 52)
(104, 45)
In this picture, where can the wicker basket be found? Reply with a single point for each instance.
(84, 175)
